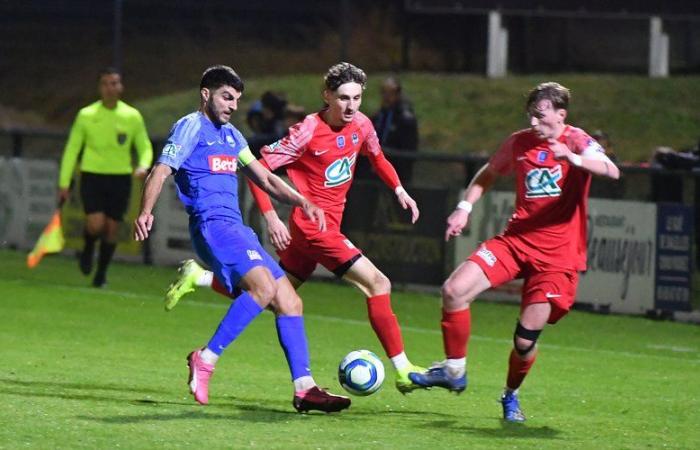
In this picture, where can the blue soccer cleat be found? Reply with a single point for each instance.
(438, 376)
(511, 408)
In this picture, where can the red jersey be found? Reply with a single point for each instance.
(551, 203)
(321, 160)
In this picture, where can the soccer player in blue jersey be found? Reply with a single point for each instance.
(204, 151)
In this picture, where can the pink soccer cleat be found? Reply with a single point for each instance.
(200, 373)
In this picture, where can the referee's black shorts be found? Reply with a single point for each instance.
(108, 194)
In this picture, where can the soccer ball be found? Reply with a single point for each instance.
(361, 372)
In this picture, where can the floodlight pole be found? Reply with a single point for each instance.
(117, 36)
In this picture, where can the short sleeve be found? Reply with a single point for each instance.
(502, 160)
(182, 140)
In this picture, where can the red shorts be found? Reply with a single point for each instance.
(503, 259)
(331, 248)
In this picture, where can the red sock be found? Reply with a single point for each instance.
(456, 329)
(219, 287)
(384, 324)
(518, 369)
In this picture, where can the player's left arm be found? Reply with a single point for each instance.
(591, 159)
(373, 150)
(277, 188)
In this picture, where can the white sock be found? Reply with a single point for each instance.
(400, 361)
(507, 390)
(456, 367)
(304, 383)
(208, 356)
(205, 279)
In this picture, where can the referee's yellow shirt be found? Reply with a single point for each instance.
(107, 135)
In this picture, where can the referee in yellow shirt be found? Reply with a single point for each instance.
(106, 131)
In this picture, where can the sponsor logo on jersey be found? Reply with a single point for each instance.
(273, 146)
(253, 255)
(171, 150)
(355, 139)
(542, 156)
(319, 152)
(340, 171)
(488, 256)
(340, 141)
(223, 163)
(542, 182)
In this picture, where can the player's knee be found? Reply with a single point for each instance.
(264, 293)
(452, 297)
(524, 339)
(381, 283)
(287, 304)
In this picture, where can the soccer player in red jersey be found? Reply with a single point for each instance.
(319, 155)
(544, 242)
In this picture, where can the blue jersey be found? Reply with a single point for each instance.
(205, 158)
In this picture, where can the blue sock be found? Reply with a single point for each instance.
(239, 315)
(292, 337)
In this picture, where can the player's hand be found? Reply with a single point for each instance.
(559, 149)
(279, 234)
(407, 202)
(63, 194)
(314, 213)
(456, 223)
(140, 173)
(142, 226)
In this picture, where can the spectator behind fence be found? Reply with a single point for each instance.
(105, 131)
(266, 120)
(605, 142)
(397, 129)
(668, 187)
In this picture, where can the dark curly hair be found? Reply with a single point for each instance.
(342, 73)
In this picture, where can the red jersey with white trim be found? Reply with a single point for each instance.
(321, 159)
(551, 203)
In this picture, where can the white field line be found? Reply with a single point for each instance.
(128, 294)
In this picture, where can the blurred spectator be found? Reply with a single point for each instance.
(266, 120)
(293, 114)
(605, 142)
(397, 129)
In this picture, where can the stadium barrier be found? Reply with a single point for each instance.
(634, 241)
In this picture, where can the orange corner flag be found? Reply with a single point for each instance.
(50, 241)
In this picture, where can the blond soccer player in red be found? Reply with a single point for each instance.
(319, 155)
(544, 242)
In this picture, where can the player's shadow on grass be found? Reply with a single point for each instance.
(81, 391)
(505, 430)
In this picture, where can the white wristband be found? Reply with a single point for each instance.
(399, 190)
(576, 160)
(465, 205)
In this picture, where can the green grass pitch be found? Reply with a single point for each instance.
(89, 368)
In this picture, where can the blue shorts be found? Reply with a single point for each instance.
(231, 250)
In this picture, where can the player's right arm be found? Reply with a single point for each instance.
(275, 186)
(279, 154)
(180, 144)
(151, 191)
(500, 163)
(76, 138)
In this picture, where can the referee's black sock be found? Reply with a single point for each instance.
(106, 253)
(88, 252)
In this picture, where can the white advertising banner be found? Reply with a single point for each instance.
(13, 212)
(27, 199)
(621, 251)
(170, 241)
